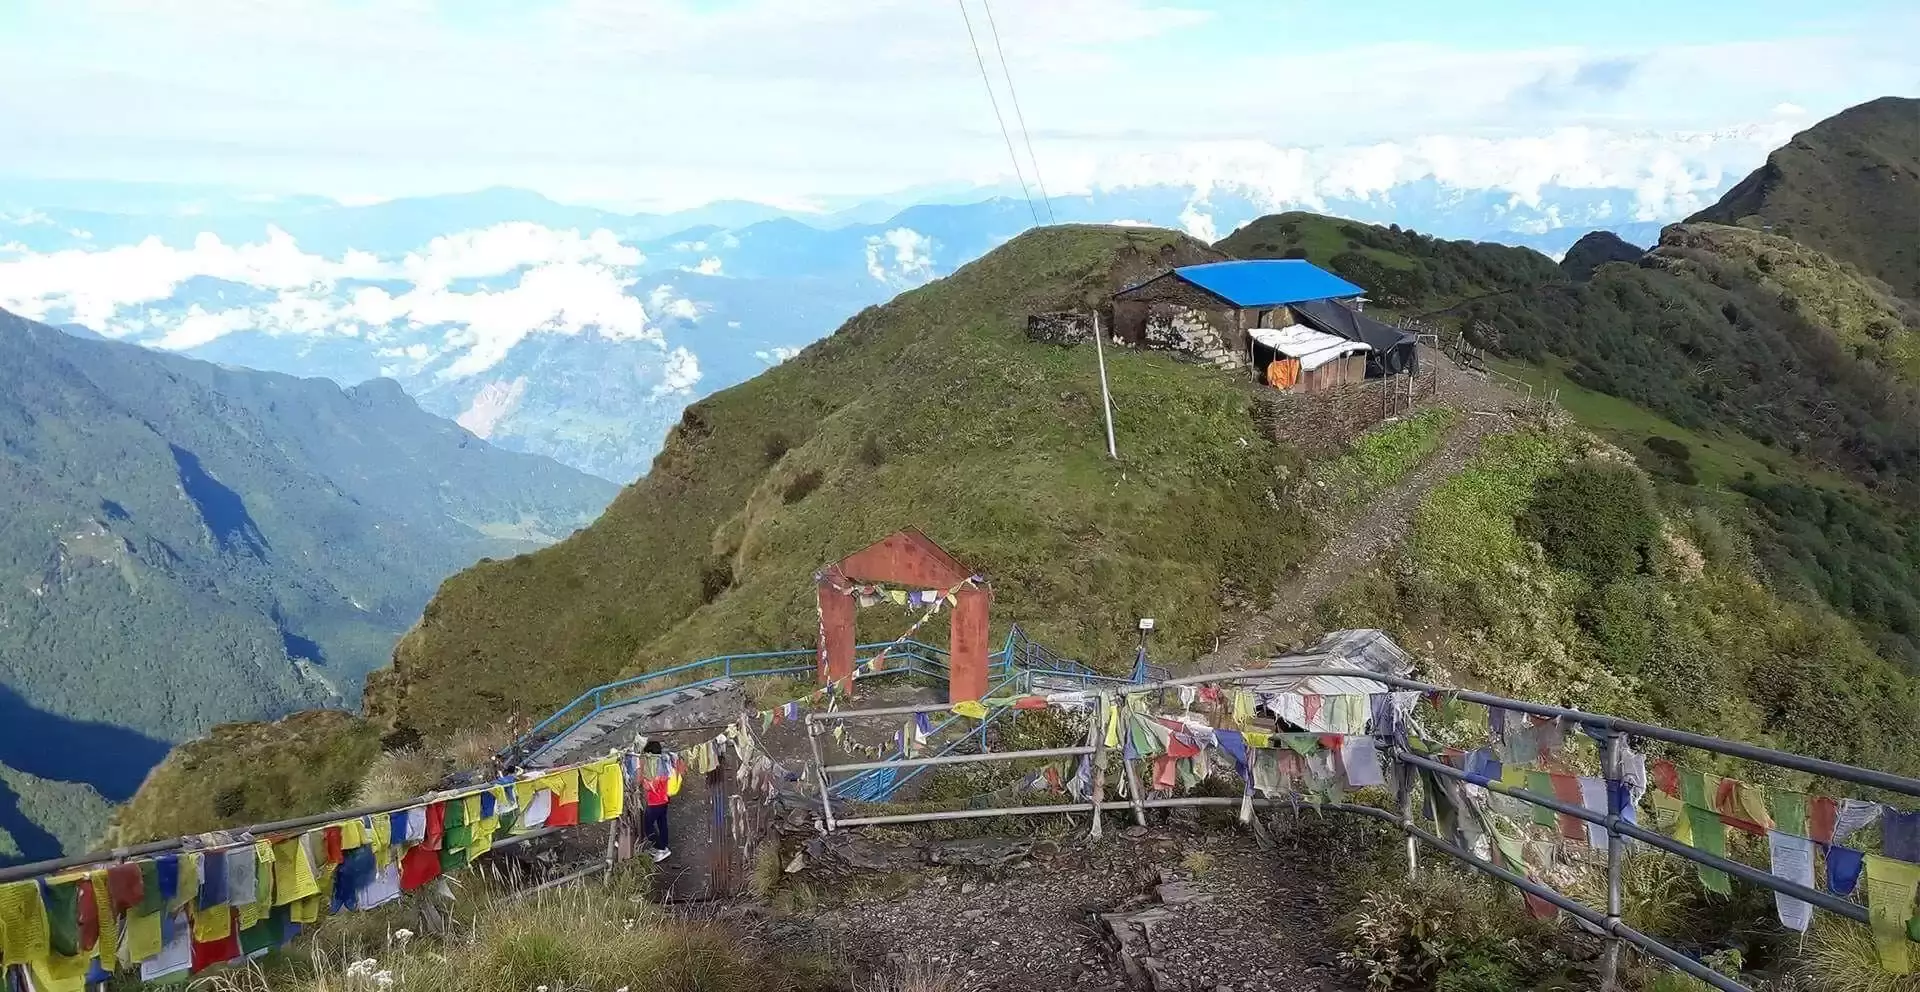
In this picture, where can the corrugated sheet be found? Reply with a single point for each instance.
(1267, 282)
(1311, 347)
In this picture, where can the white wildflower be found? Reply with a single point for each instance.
(384, 979)
(403, 935)
(539, 988)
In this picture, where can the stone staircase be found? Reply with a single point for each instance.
(715, 702)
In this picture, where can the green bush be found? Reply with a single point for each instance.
(1596, 519)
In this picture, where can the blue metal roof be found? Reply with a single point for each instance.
(1267, 282)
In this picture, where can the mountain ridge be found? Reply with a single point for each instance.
(274, 534)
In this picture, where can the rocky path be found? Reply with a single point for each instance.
(1171, 908)
(1362, 541)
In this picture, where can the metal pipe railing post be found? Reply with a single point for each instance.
(1404, 776)
(1612, 768)
(820, 771)
(1134, 792)
(1098, 737)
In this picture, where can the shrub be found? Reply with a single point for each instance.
(802, 485)
(872, 455)
(1596, 519)
(716, 577)
(776, 446)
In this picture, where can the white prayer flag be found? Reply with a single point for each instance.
(1362, 761)
(1793, 861)
(1593, 796)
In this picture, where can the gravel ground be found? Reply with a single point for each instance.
(1224, 913)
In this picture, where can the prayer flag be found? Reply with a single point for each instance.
(1792, 859)
(1844, 865)
(1710, 835)
(1900, 835)
(1890, 888)
(1789, 811)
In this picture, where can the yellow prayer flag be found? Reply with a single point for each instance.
(23, 923)
(292, 873)
(143, 936)
(352, 834)
(1259, 738)
(211, 924)
(252, 913)
(613, 788)
(263, 872)
(1890, 887)
(306, 910)
(378, 837)
(1513, 776)
(59, 972)
(108, 946)
(189, 880)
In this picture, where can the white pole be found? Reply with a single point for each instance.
(1106, 398)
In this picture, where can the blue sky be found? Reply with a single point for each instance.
(669, 103)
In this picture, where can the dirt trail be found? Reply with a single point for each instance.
(1363, 540)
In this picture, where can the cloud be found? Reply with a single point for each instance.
(1563, 86)
(414, 96)
(664, 301)
(776, 355)
(1198, 224)
(679, 375)
(562, 282)
(709, 266)
(900, 257)
(491, 405)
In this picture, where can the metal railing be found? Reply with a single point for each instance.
(1609, 731)
(577, 713)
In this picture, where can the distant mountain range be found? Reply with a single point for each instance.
(184, 544)
(581, 333)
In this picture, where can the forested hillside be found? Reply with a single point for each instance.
(183, 544)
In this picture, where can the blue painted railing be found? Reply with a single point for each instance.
(1013, 666)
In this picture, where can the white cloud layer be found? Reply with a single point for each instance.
(562, 282)
(566, 95)
(680, 374)
(900, 257)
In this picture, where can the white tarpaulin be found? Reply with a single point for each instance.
(1311, 347)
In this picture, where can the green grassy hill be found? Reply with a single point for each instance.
(183, 544)
(1402, 270)
(1849, 187)
(932, 411)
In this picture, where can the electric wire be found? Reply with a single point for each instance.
(995, 102)
(1018, 117)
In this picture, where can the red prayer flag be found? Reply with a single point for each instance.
(335, 854)
(125, 886)
(1312, 706)
(1030, 703)
(1666, 778)
(436, 826)
(420, 865)
(212, 952)
(89, 914)
(1822, 813)
(1566, 788)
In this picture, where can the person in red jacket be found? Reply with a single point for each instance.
(655, 817)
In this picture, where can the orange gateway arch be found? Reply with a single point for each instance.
(906, 558)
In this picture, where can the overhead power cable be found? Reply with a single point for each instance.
(1018, 117)
(995, 101)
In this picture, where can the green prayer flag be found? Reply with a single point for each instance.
(1789, 811)
(1693, 789)
(1913, 929)
(452, 859)
(589, 805)
(454, 814)
(1710, 835)
(1304, 745)
(151, 901)
(1541, 783)
(63, 916)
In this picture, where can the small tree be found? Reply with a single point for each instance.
(1596, 518)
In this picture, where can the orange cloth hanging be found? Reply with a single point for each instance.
(1283, 374)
